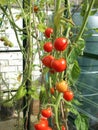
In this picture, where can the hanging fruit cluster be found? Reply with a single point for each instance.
(56, 63)
(6, 42)
(43, 124)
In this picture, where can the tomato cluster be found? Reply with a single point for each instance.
(42, 124)
(62, 86)
(57, 64)
(60, 44)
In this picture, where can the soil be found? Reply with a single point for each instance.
(14, 124)
(9, 119)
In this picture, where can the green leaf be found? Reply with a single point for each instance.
(21, 92)
(41, 27)
(93, 12)
(85, 6)
(80, 46)
(76, 50)
(43, 95)
(76, 102)
(6, 2)
(75, 72)
(8, 103)
(57, 17)
(3, 2)
(33, 92)
(74, 111)
(96, 29)
(81, 122)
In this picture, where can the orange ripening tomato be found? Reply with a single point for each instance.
(36, 8)
(62, 86)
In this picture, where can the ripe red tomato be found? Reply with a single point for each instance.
(47, 60)
(48, 32)
(68, 95)
(60, 43)
(46, 112)
(59, 65)
(48, 46)
(63, 127)
(41, 125)
(44, 120)
(48, 128)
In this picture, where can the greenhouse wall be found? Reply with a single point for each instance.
(11, 59)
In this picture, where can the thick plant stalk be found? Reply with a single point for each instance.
(56, 110)
(85, 20)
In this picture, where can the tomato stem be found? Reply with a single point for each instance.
(85, 20)
(56, 110)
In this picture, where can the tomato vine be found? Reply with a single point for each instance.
(58, 50)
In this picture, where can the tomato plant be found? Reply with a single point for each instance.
(46, 112)
(48, 46)
(59, 65)
(68, 95)
(62, 86)
(60, 43)
(48, 32)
